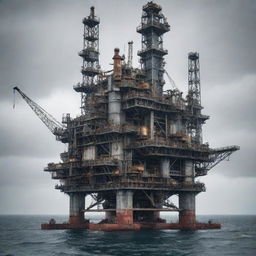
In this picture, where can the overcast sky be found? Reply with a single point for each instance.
(39, 41)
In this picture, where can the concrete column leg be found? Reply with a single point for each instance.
(76, 204)
(124, 205)
(187, 215)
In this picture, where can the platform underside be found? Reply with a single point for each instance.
(134, 226)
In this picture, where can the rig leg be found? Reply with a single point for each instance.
(76, 204)
(187, 217)
(124, 204)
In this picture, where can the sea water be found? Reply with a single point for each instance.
(21, 235)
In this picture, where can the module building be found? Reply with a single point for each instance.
(135, 145)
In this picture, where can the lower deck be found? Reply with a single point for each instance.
(133, 226)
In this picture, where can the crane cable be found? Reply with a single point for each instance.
(13, 98)
(171, 80)
(52, 124)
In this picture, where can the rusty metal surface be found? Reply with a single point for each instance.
(134, 144)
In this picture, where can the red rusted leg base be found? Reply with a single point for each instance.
(124, 217)
(124, 221)
(126, 227)
(76, 220)
(187, 220)
(64, 226)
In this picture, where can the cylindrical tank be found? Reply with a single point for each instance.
(117, 65)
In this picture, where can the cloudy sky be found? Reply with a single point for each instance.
(39, 41)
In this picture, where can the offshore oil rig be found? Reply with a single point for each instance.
(134, 145)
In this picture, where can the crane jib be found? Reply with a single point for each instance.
(52, 124)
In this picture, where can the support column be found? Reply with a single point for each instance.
(76, 204)
(114, 107)
(189, 171)
(166, 126)
(187, 215)
(115, 114)
(117, 150)
(124, 205)
(151, 123)
(165, 167)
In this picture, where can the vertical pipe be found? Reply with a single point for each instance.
(166, 126)
(117, 65)
(151, 125)
(165, 167)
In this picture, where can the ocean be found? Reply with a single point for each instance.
(21, 235)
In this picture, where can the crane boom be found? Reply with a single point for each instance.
(216, 156)
(171, 80)
(52, 124)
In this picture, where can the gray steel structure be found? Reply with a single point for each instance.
(153, 26)
(90, 56)
(135, 145)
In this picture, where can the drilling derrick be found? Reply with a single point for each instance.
(194, 87)
(153, 26)
(90, 56)
(194, 97)
(135, 145)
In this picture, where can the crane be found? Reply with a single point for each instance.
(52, 124)
(171, 81)
(216, 156)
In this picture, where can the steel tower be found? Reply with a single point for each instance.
(135, 146)
(153, 26)
(90, 55)
(194, 97)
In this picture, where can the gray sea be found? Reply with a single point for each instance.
(21, 235)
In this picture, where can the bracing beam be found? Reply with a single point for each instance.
(216, 156)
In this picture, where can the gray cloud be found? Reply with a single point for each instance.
(22, 134)
(40, 39)
(36, 48)
(222, 31)
(25, 187)
(232, 110)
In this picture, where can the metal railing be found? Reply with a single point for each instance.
(163, 25)
(164, 142)
(131, 184)
(113, 128)
(161, 100)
